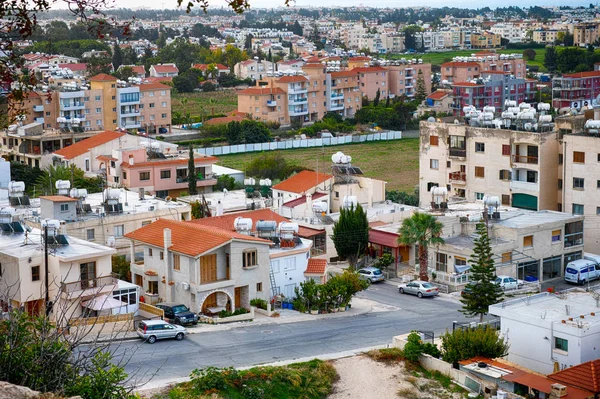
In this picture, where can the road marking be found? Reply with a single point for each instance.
(267, 332)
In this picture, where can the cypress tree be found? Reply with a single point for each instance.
(192, 189)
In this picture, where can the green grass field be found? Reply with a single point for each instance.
(396, 162)
(441, 57)
(216, 102)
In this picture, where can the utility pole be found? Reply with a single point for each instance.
(46, 272)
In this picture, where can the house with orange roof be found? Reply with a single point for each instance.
(438, 101)
(138, 70)
(221, 69)
(206, 268)
(164, 70)
(253, 69)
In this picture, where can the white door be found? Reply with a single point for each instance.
(288, 291)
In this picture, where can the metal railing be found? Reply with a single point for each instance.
(455, 152)
(525, 159)
(460, 176)
(80, 285)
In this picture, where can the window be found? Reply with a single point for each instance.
(431, 185)
(91, 234)
(146, 222)
(598, 210)
(434, 140)
(176, 262)
(149, 251)
(144, 175)
(87, 274)
(528, 241)
(441, 262)
(98, 110)
(35, 273)
(289, 264)
(151, 105)
(479, 147)
(578, 156)
(249, 258)
(560, 159)
(97, 98)
(165, 174)
(163, 104)
(161, 256)
(573, 234)
(560, 184)
(153, 287)
(577, 209)
(258, 287)
(124, 175)
(505, 149)
(507, 257)
(163, 116)
(479, 171)
(561, 344)
(505, 174)
(578, 183)
(151, 94)
(479, 196)
(556, 236)
(460, 261)
(434, 164)
(64, 207)
(119, 230)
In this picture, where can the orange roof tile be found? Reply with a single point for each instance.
(102, 77)
(585, 375)
(369, 69)
(157, 79)
(225, 222)
(587, 74)
(261, 91)
(313, 65)
(58, 198)
(83, 146)
(154, 86)
(316, 266)
(302, 181)
(165, 68)
(188, 238)
(291, 79)
(457, 64)
(163, 162)
(359, 59)
(468, 84)
(438, 95)
(343, 74)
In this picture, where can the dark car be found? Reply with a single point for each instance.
(163, 130)
(178, 313)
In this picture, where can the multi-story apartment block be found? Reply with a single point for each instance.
(586, 33)
(519, 167)
(493, 90)
(393, 42)
(403, 79)
(546, 36)
(343, 93)
(373, 79)
(513, 32)
(575, 90)
(485, 40)
(253, 69)
(456, 71)
(264, 103)
(464, 69)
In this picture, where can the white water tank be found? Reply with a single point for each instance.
(16, 187)
(491, 201)
(592, 124)
(287, 230)
(507, 115)
(112, 194)
(487, 116)
(524, 106)
(510, 103)
(489, 109)
(266, 225)
(439, 191)
(319, 207)
(543, 107)
(62, 184)
(78, 193)
(249, 181)
(547, 119)
(349, 201)
(241, 224)
(52, 224)
(265, 182)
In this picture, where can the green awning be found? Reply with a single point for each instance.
(525, 201)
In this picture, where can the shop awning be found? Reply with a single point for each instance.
(103, 302)
(383, 238)
(461, 268)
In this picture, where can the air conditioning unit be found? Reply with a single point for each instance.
(185, 286)
(91, 284)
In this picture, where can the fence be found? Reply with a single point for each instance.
(299, 143)
(91, 321)
(152, 310)
(494, 323)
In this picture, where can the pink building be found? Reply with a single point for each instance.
(163, 177)
(460, 71)
(371, 79)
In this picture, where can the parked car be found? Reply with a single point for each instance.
(467, 290)
(419, 288)
(371, 274)
(581, 271)
(178, 313)
(508, 283)
(151, 330)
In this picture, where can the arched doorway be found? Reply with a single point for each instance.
(217, 301)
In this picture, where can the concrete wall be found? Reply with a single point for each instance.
(289, 267)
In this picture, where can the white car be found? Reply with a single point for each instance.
(508, 283)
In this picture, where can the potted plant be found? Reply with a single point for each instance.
(314, 309)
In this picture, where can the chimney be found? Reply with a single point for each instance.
(219, 209)
(557, 391)
(167, 238)
(131, 159)
(141, 193)
(309, 203)
(597, 114)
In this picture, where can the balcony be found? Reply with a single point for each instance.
(299, 111)
(457, 177)
(88, 288)
(71, 106)
(524, 186)
(298, 90)
(38, 108)
(337, 95)
(457, 152)
(130, 124)
(271, 103)
(531, 160)
(39, 120)
(214, 285)
(298, 100)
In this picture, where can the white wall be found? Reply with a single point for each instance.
(289, 270)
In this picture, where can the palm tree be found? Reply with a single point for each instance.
(423, 230)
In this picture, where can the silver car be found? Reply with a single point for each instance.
(151, 330)
(419, 288)
(371, 274)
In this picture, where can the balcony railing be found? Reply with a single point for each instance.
(38, 108)
(90, 287)
(525, 159)
(271, 103)
(456, 152)
(457, 176)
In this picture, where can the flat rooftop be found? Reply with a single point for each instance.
(532, 219)
(232, 201)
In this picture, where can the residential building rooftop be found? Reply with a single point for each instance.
(83, 146)
(302, 181)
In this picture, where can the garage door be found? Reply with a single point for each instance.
(525, 201)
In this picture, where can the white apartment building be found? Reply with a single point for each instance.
(515, 33)
(253, 69)
(545, 331)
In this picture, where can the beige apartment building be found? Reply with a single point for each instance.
(519, 167)
(403, 79)
(372, 79)
(253, 69)
(586, 33)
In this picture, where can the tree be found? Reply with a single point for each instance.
(187, 81)
(117, 58)
(377, 96)
(125, 73)
(421, 93)
(462, 344)
(225, 182)
(192, 189)
(550, 59)
(254, 131)
(234, 133)
(120, 267)
(424, 230)
(351, 233)
(482, 291)
(529, 54)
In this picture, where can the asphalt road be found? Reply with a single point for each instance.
(255, 344)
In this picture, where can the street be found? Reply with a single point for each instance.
(255, 344)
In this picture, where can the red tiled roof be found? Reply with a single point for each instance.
(291, 79)
(299, 201)
(165, 68)
(438, 95)
(106, 158)
(154, 86)
(80, 66)
(343, 74)
(225, 222)
(359, 59)
(58, 198)
(102, 77)
(457, 64)
(163, 162)
(369, 69)
(204, 67)
(157, 79)
(83, 146)
(468, 84)
(188, 238)
(384, 238)
(261, 91)
(316, 266)
(585, 375)
(587, 74)
(303, 181)
(311, 65)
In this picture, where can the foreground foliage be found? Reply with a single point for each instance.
(310, 380)
(465, 344)
(351, 234)
(336, 292)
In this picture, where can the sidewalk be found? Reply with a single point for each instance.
(359, 306)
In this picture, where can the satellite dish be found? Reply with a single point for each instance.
(111, 241)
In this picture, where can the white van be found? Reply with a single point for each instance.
(582, 271)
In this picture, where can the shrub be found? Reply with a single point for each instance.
(273, 125)
(413, 347)
(464, 344)
(259, 303)
(225, 313)
(386, 355)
